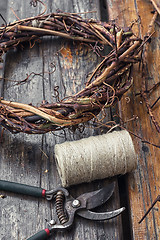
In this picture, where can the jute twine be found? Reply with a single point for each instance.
(94, 158)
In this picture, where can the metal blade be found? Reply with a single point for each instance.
(100, 216)
(97, 198)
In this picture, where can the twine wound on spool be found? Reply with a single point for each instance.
(94, 158)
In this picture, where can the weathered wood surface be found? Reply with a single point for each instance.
(144, 184)
(3, 12)
(29, 159)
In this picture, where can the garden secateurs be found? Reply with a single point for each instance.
(66, 206)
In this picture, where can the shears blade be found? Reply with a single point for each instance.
(100, 216)
(98, 197)
(95, 199)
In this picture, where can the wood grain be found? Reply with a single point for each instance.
(3, 12)
(29, 159)
(144, 183)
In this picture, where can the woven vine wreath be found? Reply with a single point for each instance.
(107, 83)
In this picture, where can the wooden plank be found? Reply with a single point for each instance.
(3, 12)
(29, 159)
(144, 183)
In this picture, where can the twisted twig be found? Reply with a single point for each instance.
(144, 93)
(108, 82)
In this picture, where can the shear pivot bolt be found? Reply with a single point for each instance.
(76, 203)
(52, 222)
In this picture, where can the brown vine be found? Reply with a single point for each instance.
(108, 82)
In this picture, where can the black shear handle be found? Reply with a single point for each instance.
(22, 189)
(42, 235)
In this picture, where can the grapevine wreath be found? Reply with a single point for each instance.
(107, 83)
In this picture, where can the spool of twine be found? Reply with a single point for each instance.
(94, 158)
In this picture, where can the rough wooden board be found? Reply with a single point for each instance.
(29, 159)
(3, 12)
(144, 183)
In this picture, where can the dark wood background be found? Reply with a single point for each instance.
(29, 159)
(144, 184)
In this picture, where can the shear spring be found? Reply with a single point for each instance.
(59, 207)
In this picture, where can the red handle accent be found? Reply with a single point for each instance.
(47, 231)
(43, 193)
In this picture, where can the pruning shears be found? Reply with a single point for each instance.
(66, 206)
